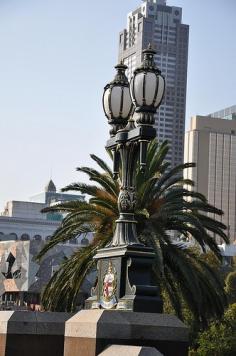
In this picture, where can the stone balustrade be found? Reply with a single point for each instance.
(90, 333)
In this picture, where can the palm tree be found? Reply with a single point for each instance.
(165, 203)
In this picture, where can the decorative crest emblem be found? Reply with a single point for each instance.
(108, 299)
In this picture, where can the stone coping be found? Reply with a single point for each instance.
(90, 333)
(31, 323)
(125, 325)
(116, 350)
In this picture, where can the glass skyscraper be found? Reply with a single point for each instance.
(160, 25)
(227, 113)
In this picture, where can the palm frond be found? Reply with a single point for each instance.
(102, 164)
(166, 203)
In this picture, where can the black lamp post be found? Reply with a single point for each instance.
(125, 278)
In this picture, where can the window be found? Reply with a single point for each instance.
(73, 241)
(14, 235)
(37, 237)
(25, 237)
(84, 241)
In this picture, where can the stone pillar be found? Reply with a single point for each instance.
(89, 332)
(24, 333)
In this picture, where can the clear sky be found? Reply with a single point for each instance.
(55, 58)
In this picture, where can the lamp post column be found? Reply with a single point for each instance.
(125, 277)
(125, 232)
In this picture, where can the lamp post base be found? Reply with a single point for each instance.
(125, 280)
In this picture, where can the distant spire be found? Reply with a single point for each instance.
(50, 187)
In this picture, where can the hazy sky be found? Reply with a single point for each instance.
(55, 58)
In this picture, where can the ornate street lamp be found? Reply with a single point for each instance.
(125, 277)
(147, 89)
(117, 103)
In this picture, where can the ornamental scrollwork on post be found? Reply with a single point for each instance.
(127, 200)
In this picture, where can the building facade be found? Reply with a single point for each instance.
(24, 230)
(160, 25)
(211, 144)
(24, 220)
(22, 277)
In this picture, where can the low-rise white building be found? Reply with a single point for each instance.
(24, 220)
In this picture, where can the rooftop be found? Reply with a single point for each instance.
(227, 113)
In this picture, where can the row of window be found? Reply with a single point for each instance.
(26, 237)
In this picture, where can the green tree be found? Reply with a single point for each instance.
(165, 204)
(230, 286)
(212, 260)
(220, 338)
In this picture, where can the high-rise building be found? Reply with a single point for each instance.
(211, 144)
(160, 25)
